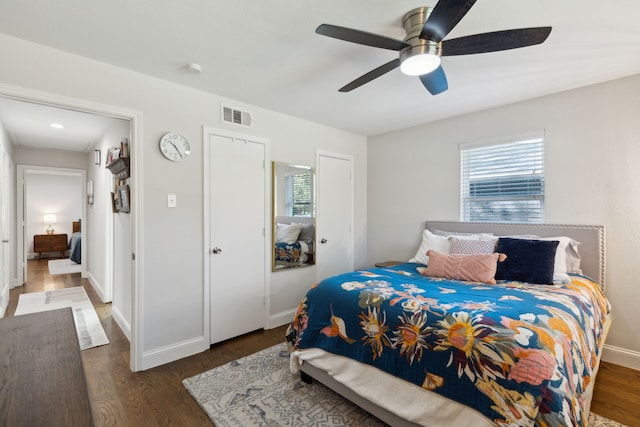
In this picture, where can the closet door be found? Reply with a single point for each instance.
(334, 240)
(237, 236)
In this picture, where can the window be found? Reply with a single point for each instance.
(298, 197)
(503, 182)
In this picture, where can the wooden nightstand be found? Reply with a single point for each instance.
(50, 243)
(387, 263)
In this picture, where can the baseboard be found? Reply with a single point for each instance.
(98, 288)
(160, 356)
(122, 322)
(281, 318)
(621, 356)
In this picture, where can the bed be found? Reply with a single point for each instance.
(419, 350)
(75, 243)
(294, 242)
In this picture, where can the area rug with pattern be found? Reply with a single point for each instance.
(88, 326)
(63, 266)
(259, 390)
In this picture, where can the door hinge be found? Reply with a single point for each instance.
(133, 256)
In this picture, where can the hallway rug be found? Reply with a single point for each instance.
(63, 266)
(90, 331)
(259, 390)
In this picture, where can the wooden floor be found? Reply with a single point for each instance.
(151, 398)
(157, 398)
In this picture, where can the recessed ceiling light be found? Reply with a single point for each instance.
(56, 125)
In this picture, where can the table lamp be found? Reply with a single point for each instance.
(50, 219)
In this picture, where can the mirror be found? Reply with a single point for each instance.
(294, 223)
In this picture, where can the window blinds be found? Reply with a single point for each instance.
(298, 197)
(503, 182)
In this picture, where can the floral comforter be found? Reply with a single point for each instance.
(521, 354)
(288, 252)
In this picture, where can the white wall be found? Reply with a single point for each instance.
(5, 141)
(51, 192)
(102, 225)
(50, 158)
(172, 295)
(592, 158)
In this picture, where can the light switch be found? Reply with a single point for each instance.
(171, 200)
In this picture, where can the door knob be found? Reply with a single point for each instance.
(323, 241)
(216, 250)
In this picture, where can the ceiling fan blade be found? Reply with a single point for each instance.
(435, 81)
(373, 74)
(495, 41)
(360, 37)
(445, 16)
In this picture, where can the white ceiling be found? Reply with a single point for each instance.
(266, 52)
(29, 126)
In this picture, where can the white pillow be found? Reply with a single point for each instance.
(562, 264)
(573, 257)
(287, 233)
(431, 241)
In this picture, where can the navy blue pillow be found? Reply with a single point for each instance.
(527, 260)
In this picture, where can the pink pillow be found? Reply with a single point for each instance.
(472, 268)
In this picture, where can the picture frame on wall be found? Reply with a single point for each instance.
(115, 203)
(123, 198)
(96, 157)
(90, 192)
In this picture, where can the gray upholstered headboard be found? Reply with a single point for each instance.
(591, 237)
(292, 219)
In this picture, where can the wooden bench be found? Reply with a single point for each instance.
(42, 380)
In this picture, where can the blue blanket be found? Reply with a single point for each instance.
(520, 354)
(76, 247)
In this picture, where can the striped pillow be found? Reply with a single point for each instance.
(467, 246)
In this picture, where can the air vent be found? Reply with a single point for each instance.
(237, 117)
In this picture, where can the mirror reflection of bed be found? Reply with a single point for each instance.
(293, 216)
(75, 243)
(295, 237)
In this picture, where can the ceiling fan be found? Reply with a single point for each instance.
(424, 43)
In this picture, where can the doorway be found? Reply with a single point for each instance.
(45, 195)
(133, 118)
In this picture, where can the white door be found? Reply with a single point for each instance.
(334, 218)
(237, 236)
(4, 233)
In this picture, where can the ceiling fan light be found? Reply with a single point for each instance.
(418, 65)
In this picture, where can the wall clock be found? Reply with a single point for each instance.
(174, 147)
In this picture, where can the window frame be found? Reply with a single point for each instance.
(518, 196)
(290, 199)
